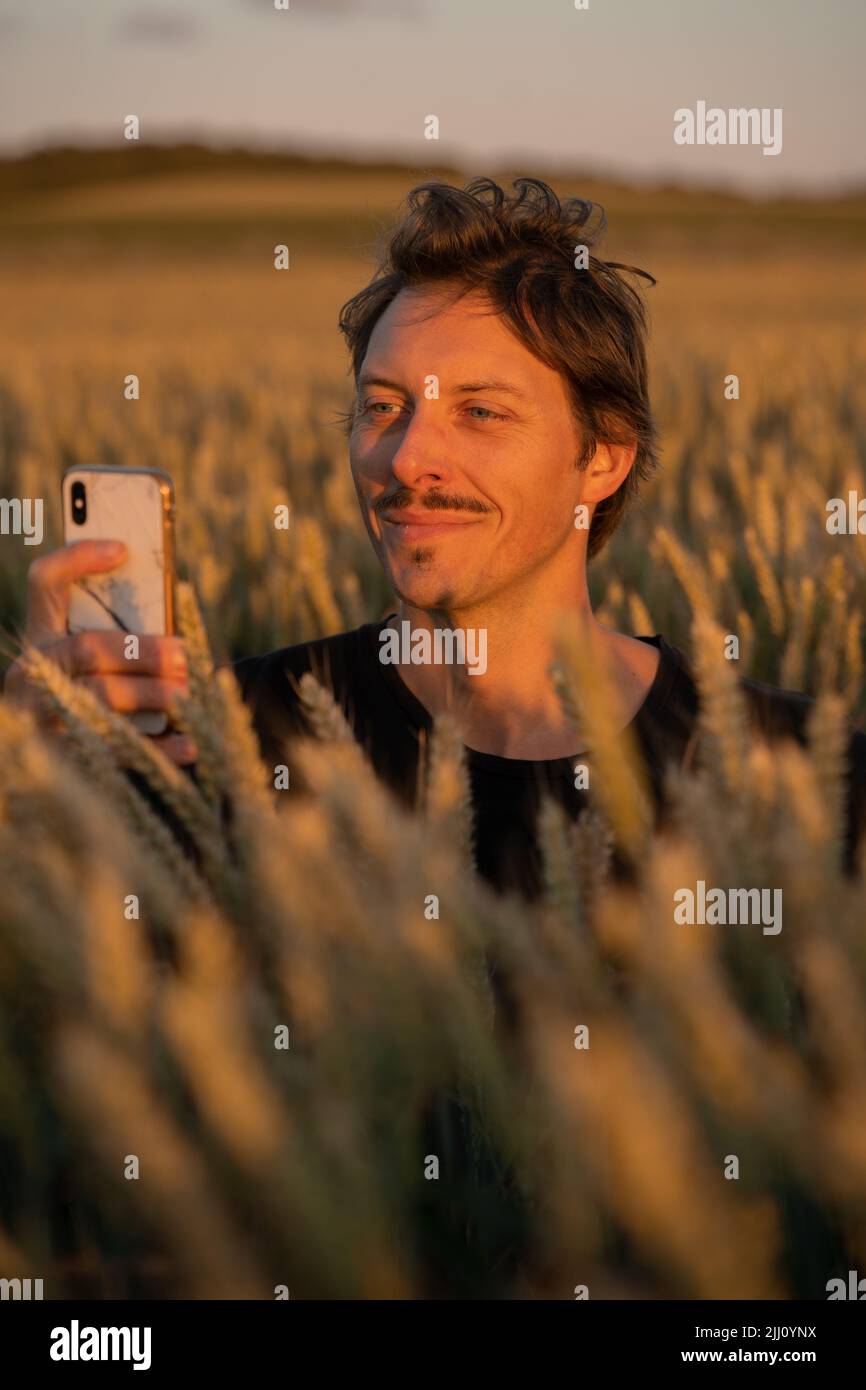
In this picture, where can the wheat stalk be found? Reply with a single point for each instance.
(77, 706)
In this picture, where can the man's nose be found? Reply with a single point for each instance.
(422, 451)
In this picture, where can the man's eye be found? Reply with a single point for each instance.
(486, 413)
(380, 407)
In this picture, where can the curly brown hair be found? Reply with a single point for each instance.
(519, 250)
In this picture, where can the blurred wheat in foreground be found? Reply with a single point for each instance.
(146, 990)
(153, 1036)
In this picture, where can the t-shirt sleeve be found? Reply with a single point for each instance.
(856, 799)
(778, 713)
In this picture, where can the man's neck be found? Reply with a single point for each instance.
(511, 707)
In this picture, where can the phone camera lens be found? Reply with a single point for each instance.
(79, 503)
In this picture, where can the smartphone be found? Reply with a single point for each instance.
(134, 505)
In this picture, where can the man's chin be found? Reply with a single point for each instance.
(426, 591)
(427, 599)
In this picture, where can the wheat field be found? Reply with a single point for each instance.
(160, 1036)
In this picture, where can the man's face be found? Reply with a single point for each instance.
(466, 495)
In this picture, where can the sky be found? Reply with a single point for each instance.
(531, 82)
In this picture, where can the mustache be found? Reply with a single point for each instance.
(427, 501)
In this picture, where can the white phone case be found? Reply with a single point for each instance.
(136, 506)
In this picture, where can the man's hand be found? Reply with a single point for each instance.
(154, 681)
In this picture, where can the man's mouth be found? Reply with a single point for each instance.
(407, 525)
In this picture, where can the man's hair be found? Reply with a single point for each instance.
(520, 249)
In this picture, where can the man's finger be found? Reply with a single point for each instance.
(102, 653)
(178, 748)
(127, 694)
(49, 579)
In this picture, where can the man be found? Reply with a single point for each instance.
(501, 425)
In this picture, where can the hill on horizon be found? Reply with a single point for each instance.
(185, 196)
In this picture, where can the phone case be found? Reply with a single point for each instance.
(136, 506)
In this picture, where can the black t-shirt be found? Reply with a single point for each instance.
(462, 1253)
(390, 723)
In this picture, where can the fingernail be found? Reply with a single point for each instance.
(112, 548)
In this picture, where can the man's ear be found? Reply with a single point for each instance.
(608, 468)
